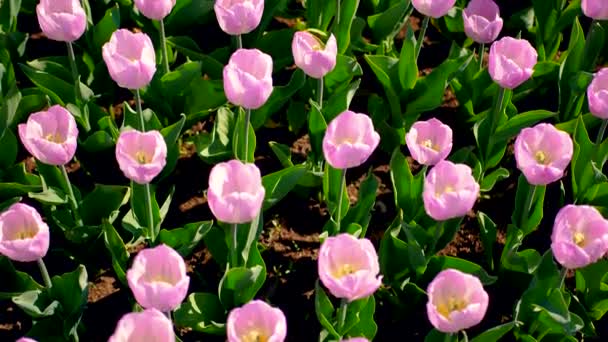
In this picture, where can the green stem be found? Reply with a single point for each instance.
(234, 253)
(163, 42)
(465, 337)
(425, 25)
(151, 225)
(338, 6)
(320, 89)
(140, 113)
(562, 277)
(73, 202)
(436, 237)
(482, 50)
(75, 78)
(45, 274)
(528, 206)
(338, 217)
(498, 105)
(600, 134)
(239, 42)
(342, 315)
(246, 135)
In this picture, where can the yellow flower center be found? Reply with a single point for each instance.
(54, 137)
(541, 157)
(447, 189)
(254, 336)
(142, 157)
(344, 270)
(428, 143)
(452, 304)
(160, 278)
(25, 234)
(579, 239)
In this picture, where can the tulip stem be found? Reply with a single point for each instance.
(338, 217)
(338, 6)
(239, 41)
(320, 89)
(465, 337)
(528, 206)
(45, 274)
(140, 112)
(482, 50)
(500, 99)
(163, 42)
(342, 318)
(246, 135)
(234, 253)
(425, 25)
(73, 202)
(151, 225)
(75, 77)
(600, 134)
(562, 277)
(436, 237)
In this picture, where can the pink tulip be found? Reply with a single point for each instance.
(597, 94)
(349, 140)
(141, 156)
(148, 325)
(356, 339)
(433, 8)
(130, 59)
(235, 193)
(511, 62)
(457, 301)
(61, 20)
(23, 235)
(542, 153)
(256, 321)
(50, 136)
(238, 16)
(449, 191)
(348, 267)
(580, 236)
(312, 55)
(429, 141)
(248, 78)
(155, 9)
(26, 339)
(595, 9)
(482, 21)
(158, 278)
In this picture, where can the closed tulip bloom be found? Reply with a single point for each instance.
(433, 8)
(482, 21)
(26, 339)
(158, 278)
(542, 153)
(235, 193)
(141, 156)
(61, 20)
(148, 325)
(349, 140)
(449, 191)
(597, 94)
(457, 301)
(348, 267)
(248, 78)
(312, 55)
(256, 321)
(580, 236)
(238, 16)
(50, 136)
(23, 235)
(429, 141)
(130, 59)
(595, 9)
(511, 62)
(155, 9)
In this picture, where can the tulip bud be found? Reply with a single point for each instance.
(155, 9)
(23, 235)
(597, 94)
(61, 20)
(348, 267)
(50, 136)
(238, 16)
(26, 339)
(542, 153)
(235, 193)
(130, 59)
(595, 9)
(248, 78)
(511, 62)
(256, 321)
(457, 301)
(429, 141)
(141, 156)
(313, 56)
(482, 21)
(433, 8)
(148, 325)
(349, 140)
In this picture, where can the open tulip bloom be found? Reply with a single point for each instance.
(429, 142)
(256, 321)
(61, 20)
(158, 10)
(430, 9)
(238, 17)
(148, 325)
(595, 9)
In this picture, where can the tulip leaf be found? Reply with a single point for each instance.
(171, 134)
(216, 146)
(340, 100)
(534, 197)
(437, 336)
(105, 27)
(324, 310)
(103, 202)
(361, 212)
(10, 146)
(570, 102)
(9, 9)
(190, 49)
(282, 152)
(439, 263)
(360, 318)
(407, 187)
(332, 188)
(117, 249)
(487, 232)
(132, 120)
(348, 9)
(320, 13)
(14, 282)
(188, 13)
(280, 183)
(515, 124)
(490, 179)
(278, 98)
(316, 126)
(202, 312)
(387, 24)
(185, 240)
(243, 151)
(408, 67)
(494, 334)
(237, 287)
(346, 69)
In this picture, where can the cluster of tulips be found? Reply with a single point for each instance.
(347, 265)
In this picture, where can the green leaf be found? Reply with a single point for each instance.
(202, 312)
(8, 109)
(60, 91)
(346, 69)
(408, 67)
(487, 232)
(14, 282)
(570, 103)
(216, 242)
(49, 196)
(332, 189)
(366, 325)
(320, 12)
(9, 150)
(280, 183)
(282, 152)
(488, 182)
(407, 188)
(98, 141)
(217, 147)
(171, 134)
(189, 13)
(535, 213)
(9, 9)
(190, 49)
(387, 24)
(242, 150)
(131, 119)
(348, 9)
(324, 310)
(361, 212)
(386, 69)
(140, 210)
(239, 285)
(103, 203)
(118, 251)
(184, 240)
(316, 127)
(515, 124)
(105, 27)
(437, 336)
(439, 263)
(278, 98)
(494, 334)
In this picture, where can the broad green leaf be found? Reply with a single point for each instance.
(103, 202)
(202, 312)
(118, 251)
(280, 183)
(184, 240)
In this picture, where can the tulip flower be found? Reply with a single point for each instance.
(61, 20)
(235, 192)
(237, 17)
(450, 191)
(141, 156)
(482, 21)
(130, 59)
(23, 235)
(50, 136)
(148, 325)
(542, 153)
(511, 62)
(248, 78)
(26, 339)
(356, 339)
(580, 236)
(429, 141)
(312, 55)
(595, 9)
(256, 321)
(457, 301)
(155, 9)
(433, 8)
(597, 94)
(349, 140)
(348, 267)
(158, 278)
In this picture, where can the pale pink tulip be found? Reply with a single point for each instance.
(349, 140)
(482, 21)
(155, 9)
(238, 16)
(141, 156)
(433, 8)
(248, 78)
(511, 62)
(429, 141)
(23, 235)
(130, 59)
(148, 325)
(595, 9)
(256, 321)
(597, 94)
(312, 55)
(61, 20)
